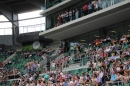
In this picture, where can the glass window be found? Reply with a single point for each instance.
(29, 15)
(107, 31)
(127, 26)
(50, 3)
(3, 18)
(94, 35)
(32, 22)
(31, 29)
(38, 27)
(25, 29)
(21, 30)
(8, 31)
(5, 25)
(1, 31)
(84, 38)
(42, 27)
(117, 30)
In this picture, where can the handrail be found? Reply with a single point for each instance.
(116, 82)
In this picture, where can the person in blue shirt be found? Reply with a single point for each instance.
(113, 78)
(46, 77)
(77, 14)
(66, 83)
(89, 8)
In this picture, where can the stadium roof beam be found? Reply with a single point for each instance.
(13, 18)
(36, 3)
(9, 14)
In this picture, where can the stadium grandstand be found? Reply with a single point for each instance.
(64, 42)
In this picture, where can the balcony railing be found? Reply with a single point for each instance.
(102, 4)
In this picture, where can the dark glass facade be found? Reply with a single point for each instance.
(114, 31)
(50, 3)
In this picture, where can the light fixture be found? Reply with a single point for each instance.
(96, 36)
(82, 40)
(128, 30)
(113, 31)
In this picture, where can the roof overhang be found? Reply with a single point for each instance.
(102, 18)
(22, 6)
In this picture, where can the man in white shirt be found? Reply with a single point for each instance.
(100, 73)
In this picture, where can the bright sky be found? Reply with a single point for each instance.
(33, 14)
(29, 15)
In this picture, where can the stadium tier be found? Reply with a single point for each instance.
(69, 43)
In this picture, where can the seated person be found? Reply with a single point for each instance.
(113, 78)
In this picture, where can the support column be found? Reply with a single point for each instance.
(15, 28)
(13, 18)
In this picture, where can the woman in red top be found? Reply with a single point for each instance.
(59, 19)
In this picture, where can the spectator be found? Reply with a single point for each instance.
(67, 16)
(112, 2)
(70, 15)
(85, 8)
(63, 18)
(59, 20)
(104, 4)
(73, 14)
(77, 14)
(95, 6)
(89, 8)
(82, 12)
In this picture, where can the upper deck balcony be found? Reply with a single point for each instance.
(55, 6)
(107, 16)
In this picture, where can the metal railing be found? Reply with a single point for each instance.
(117, 83)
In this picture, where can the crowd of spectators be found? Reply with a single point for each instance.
(6, 74)
(109, 63)
(38, 53)
(10, 52)
(86, 9)
(31, 66)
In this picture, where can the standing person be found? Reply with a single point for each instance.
(59, 19)
(100, 4)
(104, 4)
(70, 15)
(73, 14)
(63, 18)
(77, 14)
(48, 66)
(95, 6)
(67, 16)
(112, 2)
(85, 8)
(82, 12)
(89, 8)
